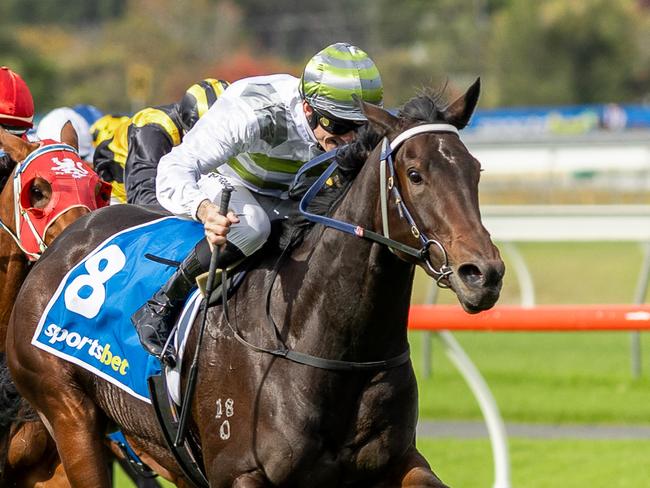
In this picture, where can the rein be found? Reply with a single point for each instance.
(298, 357)
(13, 235)
(385, 184)
(386, 159)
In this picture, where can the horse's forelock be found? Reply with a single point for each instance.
(426, 107)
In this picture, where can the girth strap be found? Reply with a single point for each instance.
(298, 357)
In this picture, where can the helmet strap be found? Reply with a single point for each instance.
(312, 120)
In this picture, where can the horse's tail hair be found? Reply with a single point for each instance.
(14, 410)
(9, 397)
(13, 407)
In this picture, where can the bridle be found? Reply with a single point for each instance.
(386, 184)
(63, 162)
(386, 160)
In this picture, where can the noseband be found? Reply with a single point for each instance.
(385, 185)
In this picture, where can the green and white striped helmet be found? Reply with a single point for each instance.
(337, 72)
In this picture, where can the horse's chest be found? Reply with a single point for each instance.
(349, 436)
(300, 425)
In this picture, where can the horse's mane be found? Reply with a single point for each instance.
(350, 159)
(7, 165)
(426, 107)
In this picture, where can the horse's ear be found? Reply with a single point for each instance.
(381, 120)
(69, 135)
(459, 111)
(17, 148)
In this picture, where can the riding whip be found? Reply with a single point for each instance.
(209, 287)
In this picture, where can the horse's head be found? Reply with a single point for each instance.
(432, 196)
(51, 187)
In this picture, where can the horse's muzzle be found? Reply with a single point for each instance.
(478, 284)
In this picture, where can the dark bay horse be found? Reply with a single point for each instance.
(28, 454)
(263, 420)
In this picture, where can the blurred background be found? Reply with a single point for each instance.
(528, 53)
(556, 75)
(563, 118)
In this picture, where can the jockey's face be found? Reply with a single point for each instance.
(327, 140)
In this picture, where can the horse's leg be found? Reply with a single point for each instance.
(77, 427)
(251, 480)
(78, 431)
(413, 472)
(32, 457)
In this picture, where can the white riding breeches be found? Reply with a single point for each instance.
(254, 227)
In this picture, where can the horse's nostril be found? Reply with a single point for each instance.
(471, 274)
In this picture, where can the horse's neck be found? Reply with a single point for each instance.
(13, 264)
(362, 291)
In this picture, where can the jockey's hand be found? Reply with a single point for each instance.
(216, 225)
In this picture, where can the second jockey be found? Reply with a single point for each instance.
(16, 113)
(50, 128)
(129, 159)
(254, 138)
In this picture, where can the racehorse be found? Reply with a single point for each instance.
(336, 405)
(27, 452)
(36, 195)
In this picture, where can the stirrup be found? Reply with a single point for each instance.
(168, 357)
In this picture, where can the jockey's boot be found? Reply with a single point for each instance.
(155, 319)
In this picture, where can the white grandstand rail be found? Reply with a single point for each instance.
(488, 405)
(545, 155)
(510, 224)
(532, 223)
(557, 223)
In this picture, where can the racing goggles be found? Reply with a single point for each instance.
(335, 126)
(15, 130)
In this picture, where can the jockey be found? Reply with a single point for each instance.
(90, 113)
(16, 112)
(50, 128)
(255, 138)
(103, 129)
(129, 159)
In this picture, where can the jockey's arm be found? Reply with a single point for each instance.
(225, 131)
(105, 165)
(147, 144)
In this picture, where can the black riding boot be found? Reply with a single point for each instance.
(155, 319)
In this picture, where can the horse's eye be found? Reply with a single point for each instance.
(37, 194)
(414, 176)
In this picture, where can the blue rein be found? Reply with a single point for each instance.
(386, 157)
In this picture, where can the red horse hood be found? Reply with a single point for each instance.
(73, 182)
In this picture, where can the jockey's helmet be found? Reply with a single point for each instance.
(88, 112)
(16, 103)
(104, 127)
(198, 99)
(51, 125)
(334, 74)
